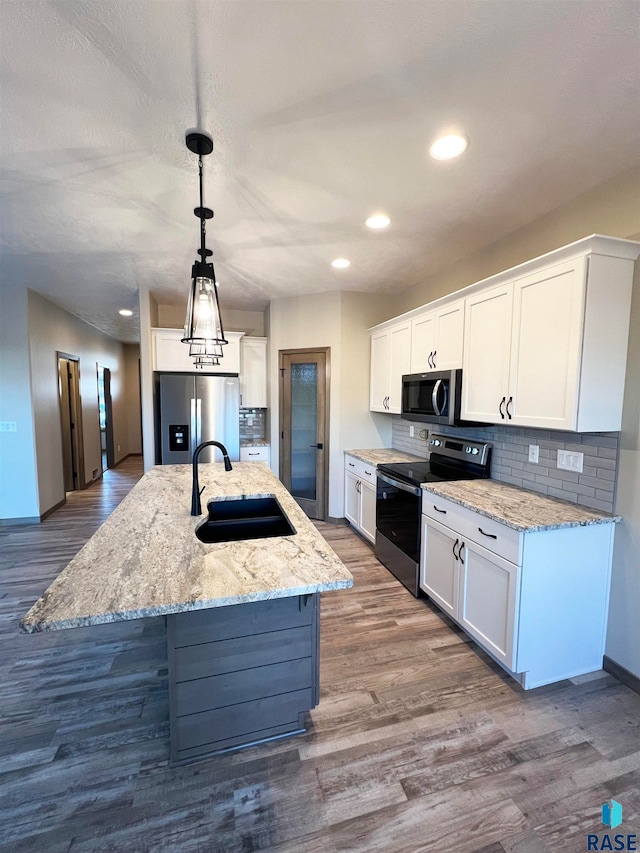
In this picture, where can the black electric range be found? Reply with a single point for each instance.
(399, 499)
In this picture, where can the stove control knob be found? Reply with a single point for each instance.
(475, 451)
(436, 441)
(467, 450)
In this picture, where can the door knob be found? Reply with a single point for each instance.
(319, 446)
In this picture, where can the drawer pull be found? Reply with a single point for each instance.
(490, 535)
(443, 511)
(368, 473)
(454, 548)
(253, 454)
(351, 465)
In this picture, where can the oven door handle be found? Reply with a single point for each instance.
(404, 487)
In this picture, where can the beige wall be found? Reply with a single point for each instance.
(52, 330)
(338, 321)
(132, 397)
(611, 208)
(249, 322)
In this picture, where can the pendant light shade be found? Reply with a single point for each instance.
(203, 329)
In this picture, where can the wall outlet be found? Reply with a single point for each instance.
(412, 430)
(534, 452)
(118, 448)
(570, 461)
(8, 426)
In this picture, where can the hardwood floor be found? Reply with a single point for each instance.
(420, 741)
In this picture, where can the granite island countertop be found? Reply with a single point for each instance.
(384, 456)
(521, 509)
(145, 560)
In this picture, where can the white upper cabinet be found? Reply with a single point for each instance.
(436, 339)
(171, 355)
(541, 345)
(487, 342)
(390, 359)
(253, 373)
(548, 350)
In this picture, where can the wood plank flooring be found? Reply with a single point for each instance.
(420, 742)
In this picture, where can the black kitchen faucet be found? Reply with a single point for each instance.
(196, 508)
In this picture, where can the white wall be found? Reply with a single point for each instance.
(18, 481)
(338, 321)
(53, 330)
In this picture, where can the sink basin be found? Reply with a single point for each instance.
(244, 518)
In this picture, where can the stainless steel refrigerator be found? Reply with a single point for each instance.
(193, 409)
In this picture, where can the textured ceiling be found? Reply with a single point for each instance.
(321, 113)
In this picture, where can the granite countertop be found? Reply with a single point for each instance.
(518, 508)
(145, 560)
(254, 442)
(384, 455)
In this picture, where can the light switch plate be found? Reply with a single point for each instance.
(568, 460)
(534, 452)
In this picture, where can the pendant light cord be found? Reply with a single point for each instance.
(202, 225)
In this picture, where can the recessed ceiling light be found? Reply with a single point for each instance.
(341, 263)
(125, 312)
(377, 221)
(448, 147)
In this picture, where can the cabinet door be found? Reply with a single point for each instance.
(548, 314)
(380, 359)
(171, 355)
(487, 341)
(449, 323)
(368, 510)
(253, 373)
(400, 364)
(489, 594)
(423, 343)
(439, 567)
(351, 499)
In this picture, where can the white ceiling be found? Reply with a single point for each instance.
(321, 113)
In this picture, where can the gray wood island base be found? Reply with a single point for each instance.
(241, 675)
(242, 616)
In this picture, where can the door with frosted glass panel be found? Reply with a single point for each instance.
(303, 427)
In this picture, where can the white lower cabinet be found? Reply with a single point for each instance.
(255, 454)
(360, 496)
(535, 601)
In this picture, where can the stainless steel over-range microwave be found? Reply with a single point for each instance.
(432, 397)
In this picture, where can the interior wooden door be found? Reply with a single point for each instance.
(70, 421)
(304, 430)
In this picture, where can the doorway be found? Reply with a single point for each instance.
(304, 427)
(70, 420)
(106, 418)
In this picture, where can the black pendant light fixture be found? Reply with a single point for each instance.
(203, 324)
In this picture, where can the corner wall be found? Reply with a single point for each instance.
(52, 330)
(18, 480)
(339, 321)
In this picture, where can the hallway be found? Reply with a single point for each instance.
(419, 743)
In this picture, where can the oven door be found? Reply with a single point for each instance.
(398, 508)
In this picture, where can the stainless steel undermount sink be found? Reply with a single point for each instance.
(244, 518)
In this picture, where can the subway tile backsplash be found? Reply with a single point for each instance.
(594, 487)
(253, 423)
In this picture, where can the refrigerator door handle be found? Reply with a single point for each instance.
(198, 420)
(193, 442)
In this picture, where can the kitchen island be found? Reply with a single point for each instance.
(242, 616)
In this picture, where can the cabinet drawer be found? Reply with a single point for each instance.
(254, 454)
(362, 470)
(492, 535)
